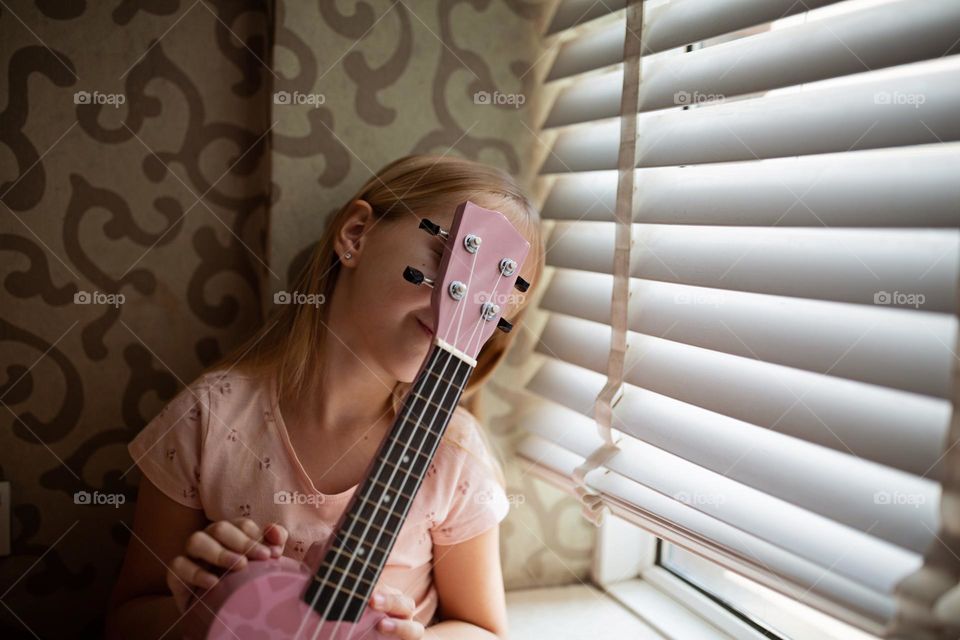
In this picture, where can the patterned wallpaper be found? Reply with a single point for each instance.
(164, 167)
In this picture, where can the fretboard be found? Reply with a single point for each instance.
(369, 527)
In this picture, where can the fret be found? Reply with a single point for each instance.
(346, 560)
(340, 604)
(460, 374)
(364, 544)
(411, 451)
(346, 585)
(333, 581)
(384, 494)
(414, 454)
(434, 404)
(436, 374)
(435, 392)
(394, 522)
(370, 510)
(363, 520)
(392, 491)
(405, 467)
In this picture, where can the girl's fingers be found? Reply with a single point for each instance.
(253, 531)
(400, 608)
(403, 629)
(249, 527)
(187, 573)
(276, 536)
(241, 537)
(202, 546)
(222, 545)
(394, 603)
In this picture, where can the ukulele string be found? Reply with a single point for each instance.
(376, 507)
(478, 325)
(374, 546)
(446, 389)
(463, 307)
(367, 561)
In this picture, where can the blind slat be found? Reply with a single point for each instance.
(844, 265)
(870, 111)
(571, 13)
(899, 187)
(856, 554)
(892, 34)
(903, 430)
(895, 348)
(667, 25)
(843, 488)
(806, 577)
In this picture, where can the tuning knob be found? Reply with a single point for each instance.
(521, 284)
(416, 277)
(433, 228)
(504, 326)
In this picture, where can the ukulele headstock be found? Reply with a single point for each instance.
(478, 274)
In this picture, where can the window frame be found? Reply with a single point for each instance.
(626, 554)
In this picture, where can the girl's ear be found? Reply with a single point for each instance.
(350, 239)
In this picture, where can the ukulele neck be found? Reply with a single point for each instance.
(369, 527)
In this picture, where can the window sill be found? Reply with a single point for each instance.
(631, 609)
(572, 612)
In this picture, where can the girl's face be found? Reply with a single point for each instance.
(386, 320)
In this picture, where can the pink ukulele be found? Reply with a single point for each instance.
(327, 600)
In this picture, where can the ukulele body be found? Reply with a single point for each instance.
(263, 602)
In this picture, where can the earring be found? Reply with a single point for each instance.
(347, 255)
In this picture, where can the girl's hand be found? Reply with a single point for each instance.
(223, 546)
(400, 609)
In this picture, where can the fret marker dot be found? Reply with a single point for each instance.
(386, 497)
(406, 458)
(360, 551)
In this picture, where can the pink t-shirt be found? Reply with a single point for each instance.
(220, 445)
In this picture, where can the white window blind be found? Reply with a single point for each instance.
(790, 383)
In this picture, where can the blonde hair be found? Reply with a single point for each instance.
(290, 343)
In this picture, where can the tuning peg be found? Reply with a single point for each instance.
(433, 229)
(416, 277)
(521, 284)
(504, 326)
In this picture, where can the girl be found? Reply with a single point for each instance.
(259, 456)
